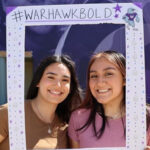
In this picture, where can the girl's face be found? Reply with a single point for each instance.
(54, 85)
(106, 82)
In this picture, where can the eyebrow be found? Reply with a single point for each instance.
(105, 69)
(52, 73)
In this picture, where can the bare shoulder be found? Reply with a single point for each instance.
(4, 108)
(3, 119)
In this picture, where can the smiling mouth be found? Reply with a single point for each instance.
(57, 93)
(103, 91)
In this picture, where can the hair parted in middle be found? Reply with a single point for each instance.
(90, 102)
(73, 100)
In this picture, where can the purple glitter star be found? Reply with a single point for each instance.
(20, 111)
(19, 66)
(117, 8)
(142, 142)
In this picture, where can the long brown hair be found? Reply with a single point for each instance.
(73, 100)
(90, 102)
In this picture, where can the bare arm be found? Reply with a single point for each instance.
(74, 144)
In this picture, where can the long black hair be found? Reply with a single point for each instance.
(91, 103)
(73, 100)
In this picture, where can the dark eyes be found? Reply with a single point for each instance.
(107, 74)
(50, 77)
(53, 78)
(65, 80)
(93, 76)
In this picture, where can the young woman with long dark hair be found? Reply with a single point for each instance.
(100, 120)
(53, 94)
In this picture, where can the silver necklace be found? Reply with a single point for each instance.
(115, 116)
(49, 131)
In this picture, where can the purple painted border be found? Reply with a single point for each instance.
(138, 4)
(9, 9)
